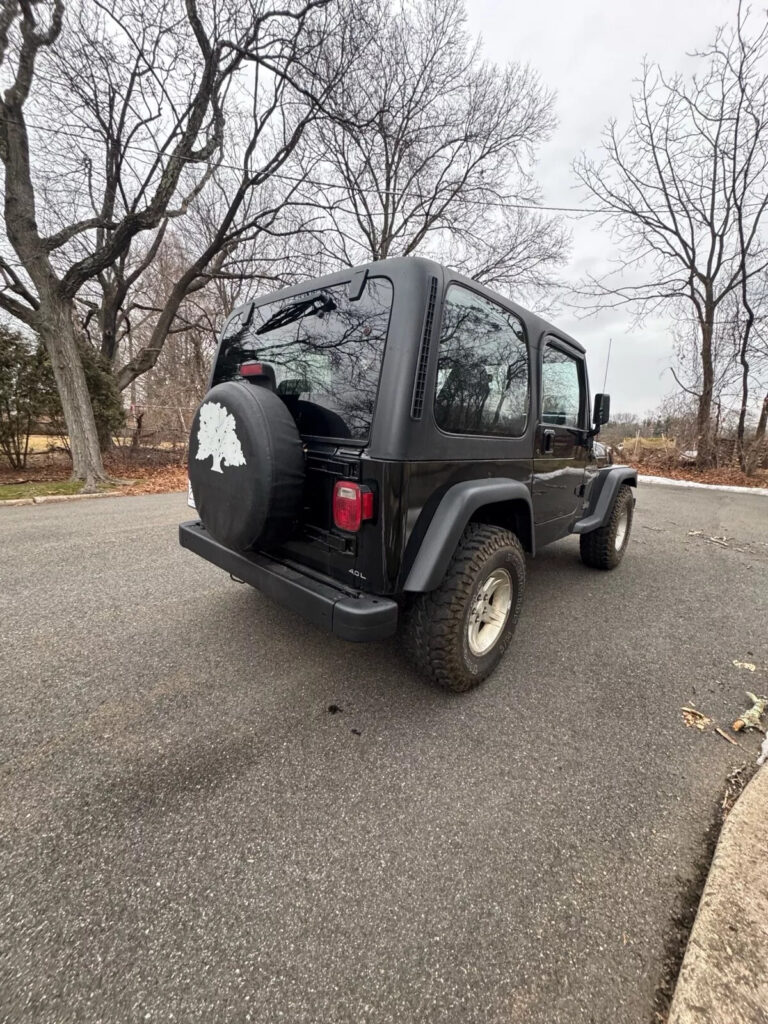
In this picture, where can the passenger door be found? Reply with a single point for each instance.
(560, 454)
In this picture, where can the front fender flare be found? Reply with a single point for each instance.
(456, 508)
(602, 496)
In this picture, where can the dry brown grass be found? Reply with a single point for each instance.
(149, 470)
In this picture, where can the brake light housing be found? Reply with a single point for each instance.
(352, 505)
(252, 369)
(261, 374)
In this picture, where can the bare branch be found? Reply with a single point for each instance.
(56, 241)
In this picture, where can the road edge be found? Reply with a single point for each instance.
(55, 499)
(722, 979)
(668, 481)
(663, 481)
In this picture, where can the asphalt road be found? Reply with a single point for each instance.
(188, 834)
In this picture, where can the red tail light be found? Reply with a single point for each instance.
(352, 504)
(251, 370)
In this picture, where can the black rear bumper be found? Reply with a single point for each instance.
(357, 618)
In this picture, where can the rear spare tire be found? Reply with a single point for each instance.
(246, 466)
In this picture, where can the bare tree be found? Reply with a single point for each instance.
(687, 368)
(169, 390)
(749, 333)
(685, 189)
(148, 87)
(434, 152)
(249, 222)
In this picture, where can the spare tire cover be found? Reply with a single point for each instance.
(246, 466)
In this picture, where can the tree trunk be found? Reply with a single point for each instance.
(716, 436)
(59, 335)
(753, 457)
(741, 446)
(762, 423)
(704, 445)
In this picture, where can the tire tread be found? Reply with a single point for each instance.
(598, 548)
(436, 618)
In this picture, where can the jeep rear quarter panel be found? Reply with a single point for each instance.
(435, 462)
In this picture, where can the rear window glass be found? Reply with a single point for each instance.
(325, 351)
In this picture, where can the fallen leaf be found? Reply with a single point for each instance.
(695, 719)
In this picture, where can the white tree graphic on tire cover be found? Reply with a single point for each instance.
(216, 437)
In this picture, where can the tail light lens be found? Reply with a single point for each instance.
(352, 505)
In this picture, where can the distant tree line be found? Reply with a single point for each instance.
(684, 189)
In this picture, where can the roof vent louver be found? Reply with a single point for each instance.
(420, 384)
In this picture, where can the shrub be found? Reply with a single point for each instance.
(26, 391)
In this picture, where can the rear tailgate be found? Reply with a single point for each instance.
(321, 351)
(318, 542)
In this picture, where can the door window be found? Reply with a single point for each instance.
(482, 371)
(561, 389)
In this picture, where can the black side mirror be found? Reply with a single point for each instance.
(602, 410)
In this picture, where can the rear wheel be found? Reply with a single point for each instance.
(458, 633)
(604, 548)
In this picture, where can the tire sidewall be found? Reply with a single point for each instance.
(479, 666)
(624, 503)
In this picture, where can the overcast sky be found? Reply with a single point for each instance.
(589, 51)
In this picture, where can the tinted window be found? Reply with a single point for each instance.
(560, 389)
(482, 375)
(325, 351)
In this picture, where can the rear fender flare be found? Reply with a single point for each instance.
(456, 508)
(602, 496)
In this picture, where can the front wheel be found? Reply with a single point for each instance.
(604, 548)
(458, 633)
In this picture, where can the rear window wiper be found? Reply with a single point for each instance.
(315, 306)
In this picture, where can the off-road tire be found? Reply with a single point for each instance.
(598, 548)
(437, 623)
(252, 494)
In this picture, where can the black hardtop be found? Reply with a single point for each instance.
(537, 326)
(396, 269)
(396, 435)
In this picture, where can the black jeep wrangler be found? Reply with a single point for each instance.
(379, 447)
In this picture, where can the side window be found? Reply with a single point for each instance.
(561, 389)
(482, 370)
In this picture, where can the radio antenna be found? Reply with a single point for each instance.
(607, 361)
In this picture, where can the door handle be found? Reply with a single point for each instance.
(549, 441)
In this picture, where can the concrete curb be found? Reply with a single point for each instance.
(53, 499)
(723, 979)
(666, 481)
